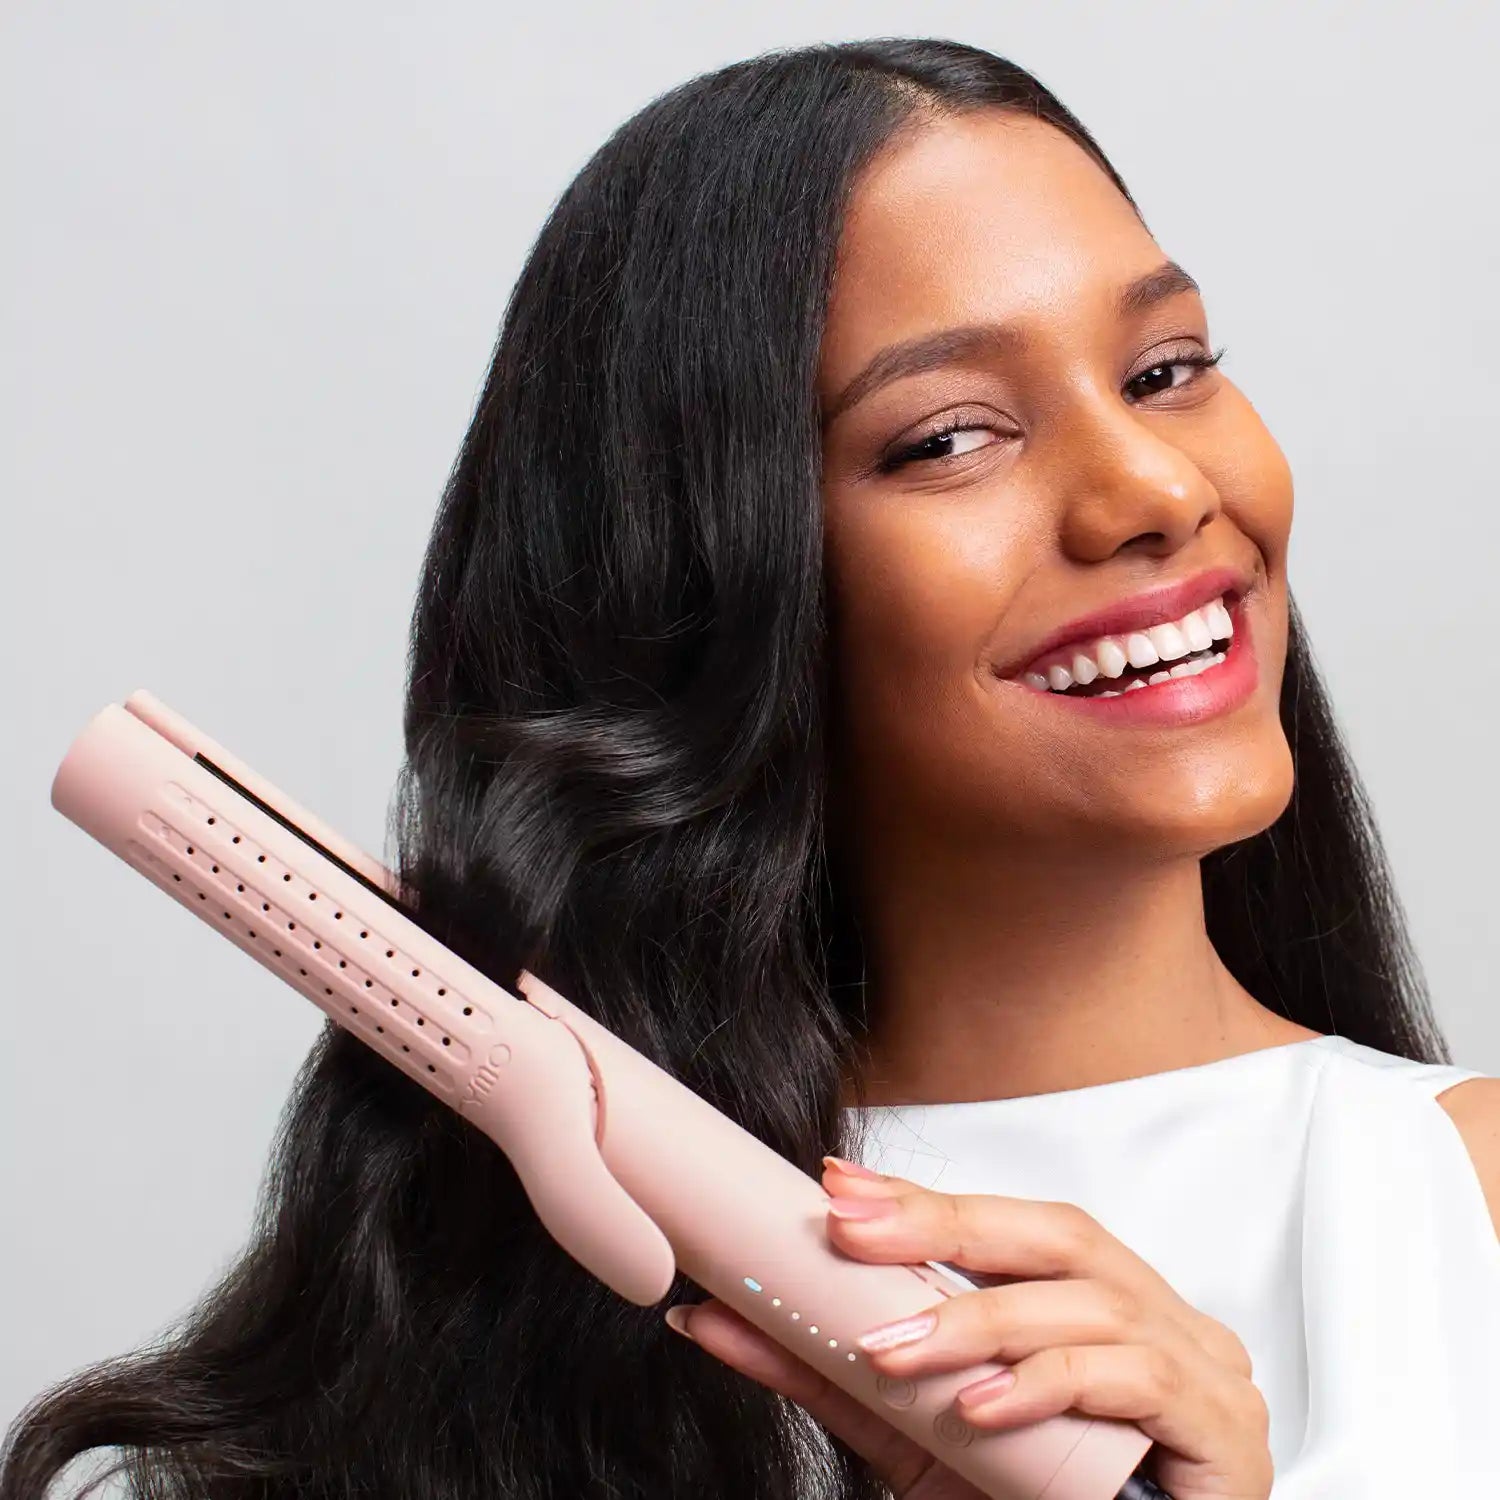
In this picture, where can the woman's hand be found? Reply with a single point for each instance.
(1098, 1332)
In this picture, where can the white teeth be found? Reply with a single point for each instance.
(1195, 628)
(1169, 641)
(1182, 669)
(1111, 655)
(1112, 660)
(1219, 620)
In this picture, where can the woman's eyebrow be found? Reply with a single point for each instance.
(930, 351)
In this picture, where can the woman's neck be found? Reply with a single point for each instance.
(988, 986)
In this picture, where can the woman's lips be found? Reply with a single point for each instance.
(1178, 700)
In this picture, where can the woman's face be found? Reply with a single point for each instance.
(1087, 468)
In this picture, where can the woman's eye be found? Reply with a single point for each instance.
(1195, 363)
(937, 447)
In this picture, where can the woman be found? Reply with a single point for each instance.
(747, 707)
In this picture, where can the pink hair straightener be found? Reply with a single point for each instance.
(630, 1171)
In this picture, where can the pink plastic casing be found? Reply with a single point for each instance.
(630, 1171)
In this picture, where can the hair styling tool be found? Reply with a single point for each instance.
(631, 1172)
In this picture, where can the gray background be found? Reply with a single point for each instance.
(254, 262)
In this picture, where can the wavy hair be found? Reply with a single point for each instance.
(614, 776)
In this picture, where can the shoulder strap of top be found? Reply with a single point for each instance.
(1431, 1079)
(1438, 1078)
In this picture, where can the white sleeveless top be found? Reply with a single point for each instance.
(1313, 1196)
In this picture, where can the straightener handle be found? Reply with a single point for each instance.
(535, 1098)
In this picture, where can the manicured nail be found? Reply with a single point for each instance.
(862, 1208)
(677, 1320)
(854, 1169)
(891, 1335)
(987, 1389)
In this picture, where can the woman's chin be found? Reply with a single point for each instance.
(1192, 807)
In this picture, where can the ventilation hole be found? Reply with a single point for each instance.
(226, 915)
(316, 943)
(338, 916)
(312, 895)
(380, 1029)
(215, 869)
(265, 906)
(190, 848)
(405, 1048)
(342, 964)
(327, 991)
(252, 932)
(239, 887)
(364, 934)
(290, 926)
(260, 858)
(369, 983)
(202, 897)
(277, 952)
(235, 839)
(390, 952)
(468, 1010)
(415, 972)
(303, 972)
(210, 820)
(177, 877)
(431, 1069)
(421, 1021)
(353, 1010)
(395, 1001)
(286, 877)
(446, 1042)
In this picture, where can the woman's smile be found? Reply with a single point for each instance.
(1141, 662)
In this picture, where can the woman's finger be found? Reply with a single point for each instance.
(1192, 1406)
(1008, 1323)
(1020, 1238)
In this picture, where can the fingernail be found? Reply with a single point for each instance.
(862, 1208)
(987, 1389)
(854, 1169)
(890, 1335)
(677, 1320)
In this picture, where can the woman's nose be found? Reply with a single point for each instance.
(1126, 481)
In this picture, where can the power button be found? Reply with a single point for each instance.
(894, 1391)
(953, 1429)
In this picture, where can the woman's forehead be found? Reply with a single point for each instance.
(987, 216)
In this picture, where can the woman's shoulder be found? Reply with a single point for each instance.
(1469, 1098)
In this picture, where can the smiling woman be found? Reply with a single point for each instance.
(848, 433)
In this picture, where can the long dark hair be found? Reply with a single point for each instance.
(614, 777)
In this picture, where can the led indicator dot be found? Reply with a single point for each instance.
(795, 1316)
(752, 1283)
(833, 1343)
(775, 1301)
(813, 1329)
(851, 1356)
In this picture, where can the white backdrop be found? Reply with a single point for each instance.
(253, 265)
